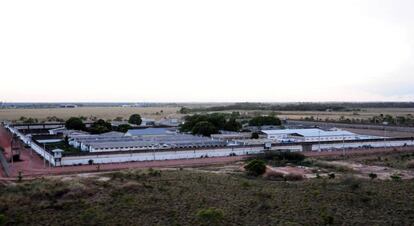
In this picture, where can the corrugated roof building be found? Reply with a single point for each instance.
(310, 135)
(150, 132)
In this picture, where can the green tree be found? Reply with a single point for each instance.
(135, 119)
(265, 121)
(204, 128)
(217, 119)
(255, 167)
(184, 110)
(124, 128)
(75, 123)
(233, 125)
(100, 126)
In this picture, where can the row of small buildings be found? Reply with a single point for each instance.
(170, 138)
(143, 139)
(62, 147)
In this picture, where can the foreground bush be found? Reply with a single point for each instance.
(210, 216)
(255, 167)
(281, 158)
(2, 220)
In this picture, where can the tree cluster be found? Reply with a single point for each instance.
(210, 123)
(265, 121)
(75, 123)
(401, 120)
(255, 167)
(305, 106)
(135, 119)
(28, 120)
(100, 126)
(124, 128)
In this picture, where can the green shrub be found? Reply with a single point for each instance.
(245, 184)
(210, 216)
(282, 155)
(280, 158)
(352, 182)
(255, 167)
(154, 173)
(2, 220)
(395, 177)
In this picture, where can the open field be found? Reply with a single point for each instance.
(99, 112)
(155, 112)
(398, 160)
(186, 197)
(365, 113)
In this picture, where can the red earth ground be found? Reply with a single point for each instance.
(32, 165)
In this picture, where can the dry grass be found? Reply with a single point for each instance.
(99, 112)
(364, 114)
(178, 198)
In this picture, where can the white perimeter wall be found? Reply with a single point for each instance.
(189, 154)
(39, 150)
(161, 155)
(226, 151)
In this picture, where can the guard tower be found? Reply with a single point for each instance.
(57, 155)
(16, 147)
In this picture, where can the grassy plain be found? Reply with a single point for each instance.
(155, 112)
(364, 113)
(184, 197)
(99, 112)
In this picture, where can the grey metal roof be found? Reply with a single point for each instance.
(149, 131)
(308, 132)
(173, 140)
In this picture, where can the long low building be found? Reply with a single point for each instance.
(140, 140)
(314, 134)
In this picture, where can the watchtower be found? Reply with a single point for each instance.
(16, 147)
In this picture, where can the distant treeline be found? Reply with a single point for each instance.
(381, 119)
(337, 106)
(82, 104)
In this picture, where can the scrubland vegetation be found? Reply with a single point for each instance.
(184, 197)
(398, 160)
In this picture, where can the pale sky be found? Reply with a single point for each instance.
(215, 50)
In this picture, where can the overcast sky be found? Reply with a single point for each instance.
(215, 50)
